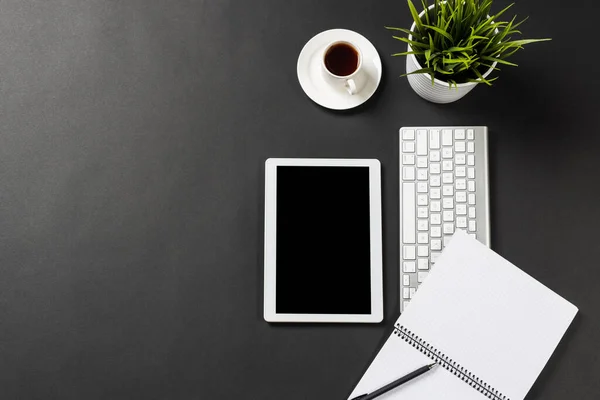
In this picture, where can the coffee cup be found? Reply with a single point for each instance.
(342, 66)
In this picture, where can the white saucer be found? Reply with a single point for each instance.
(311, 77)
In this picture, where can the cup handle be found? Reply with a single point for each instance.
(350, 86)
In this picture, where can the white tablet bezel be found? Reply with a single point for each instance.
(270, 267)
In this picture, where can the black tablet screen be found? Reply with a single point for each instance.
(323, 240)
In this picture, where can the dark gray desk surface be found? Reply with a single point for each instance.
(132, 141)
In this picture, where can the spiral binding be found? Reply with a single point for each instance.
(449, 364)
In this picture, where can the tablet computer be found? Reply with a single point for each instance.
(323, 253)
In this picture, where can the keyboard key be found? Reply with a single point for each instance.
(434, 168)
(435, 193)
(447, 137)
(422, 212)
(434, 156)
(421, 200)
(412, 291)
(434, 139)
(461, 184)
(408, 173)
(461, 209)
(421, 174)
(436, 244)
(449, 228)
(422, 238)
(435, 180)
(422, 162)
(471, 186)
(471, 147)
(460, 147)
(409, 266)
(472, 213)
(405, 304)
(473, 235)
(459, 134)
(423, 251)
(422, 225)
(446, 177)
(471, 159)
(471, 173)
(470, 134)
(447, 152)
(461, 222)
(472, 198)
(461, 159)
(408, 134)
(460, 172)
(421, 142)
(434, 256)
(448, 216)
(472, 226)
(408, 159)
(408, 147)
(405, 280)
(436, 206)
(447, 165)
(436, 231)
(422, 187)
(409, 254)
(421, 276)
(448, 190)
(448, 202)
(409, 223)
(436, 218)
(447, 240)
(461, 197)
(406, 293)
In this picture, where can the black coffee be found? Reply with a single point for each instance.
(341, 59)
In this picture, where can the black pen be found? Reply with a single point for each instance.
(396, 383)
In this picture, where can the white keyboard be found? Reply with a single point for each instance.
(443, 187)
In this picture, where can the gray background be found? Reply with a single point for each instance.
(132, 141)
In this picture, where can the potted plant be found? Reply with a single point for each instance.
(453, 45)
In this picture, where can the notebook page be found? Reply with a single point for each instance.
(396, 359)
(488, 316)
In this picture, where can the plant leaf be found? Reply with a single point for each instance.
(481, 78)
(406, 53)
(456, 61)
(498, 60)
(441, 32)
(407, 31)
(494, 17)
(419, 71)
(489, 66)
(411, 42)
(457, 49)
(415, 16)
(424, 3)
(525, 41)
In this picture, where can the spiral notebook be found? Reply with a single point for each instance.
(489, 326)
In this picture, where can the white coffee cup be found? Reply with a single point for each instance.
(351, 78)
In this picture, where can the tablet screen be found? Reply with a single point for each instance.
(323, 240)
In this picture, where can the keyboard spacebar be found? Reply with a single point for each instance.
(408, 212)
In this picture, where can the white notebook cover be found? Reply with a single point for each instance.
(489, 318)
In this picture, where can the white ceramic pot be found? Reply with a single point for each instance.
(440, 91)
